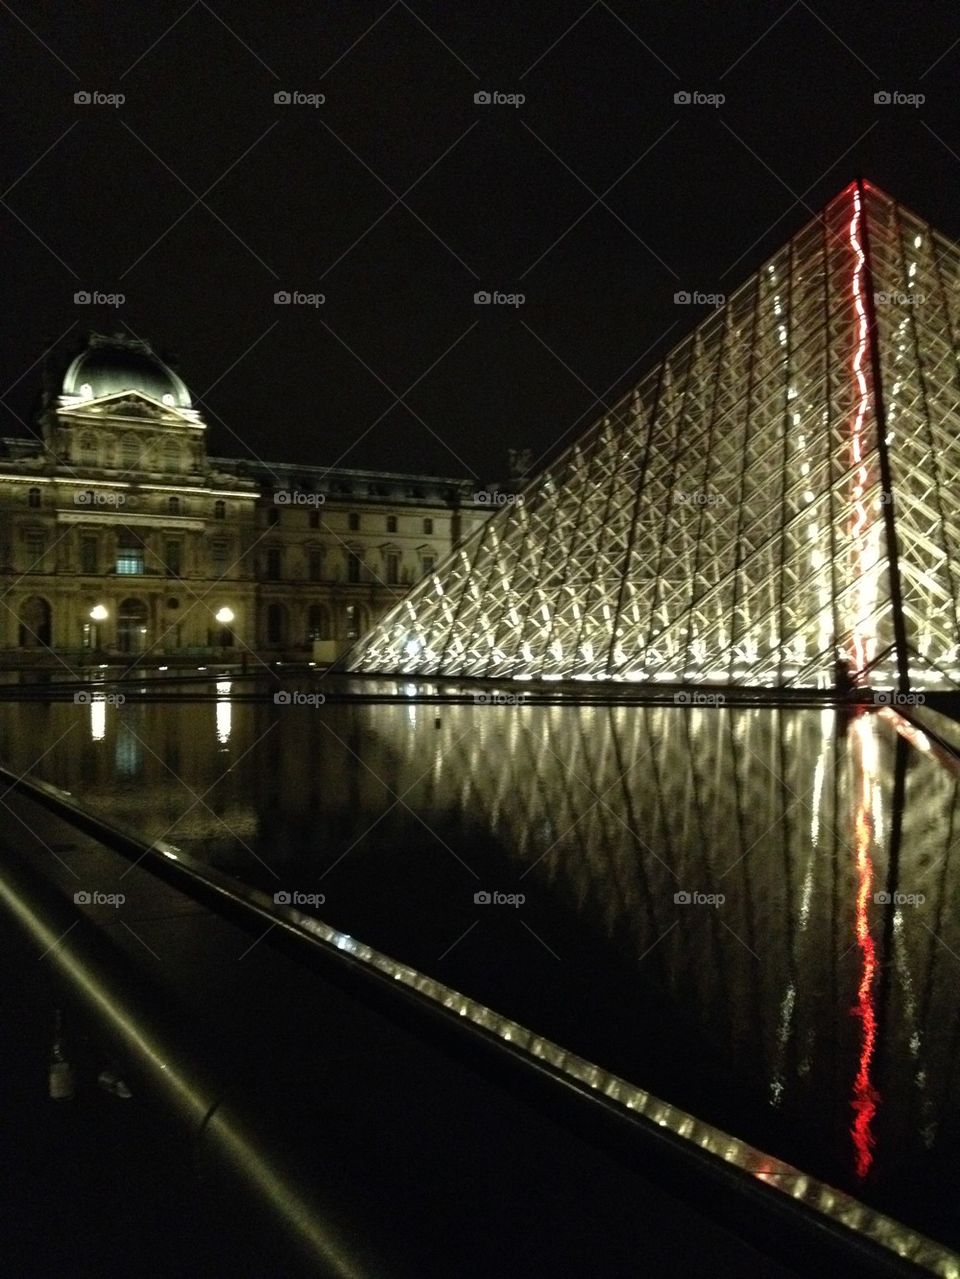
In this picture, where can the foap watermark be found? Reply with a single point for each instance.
(896, 98)
(696, 697)
(899, 899)
(296, 697)
(899, 299)
(483, 897)
(99, 497)
(284, 898)
(685, 898)
(95, 98)
(495, 98)
(295, 98)
(92, 897)
(92, 297)
(891, 698)
(684, 297)
(494, 497)
(699, 497)
(87, 699)
(499, 699)
(297, 497)
(484, 297)
(286, 297)
(694, 98)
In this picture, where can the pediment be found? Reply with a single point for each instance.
(129, 405)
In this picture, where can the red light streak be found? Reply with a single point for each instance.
(861, 653)
(865, 1096)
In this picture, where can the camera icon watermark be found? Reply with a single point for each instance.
(694, 98)
(294, 898)
(494, 98)
(84, 698)
(696, 697)
(92, 297)
(685, 898)
(294, 98)
(94, 98)
(296, 697)
(899, 899)
(297, 497)
(891, 697)
(99, 497)
(684, 297)
(484, 898)
(286, 297)
(896, 98)
(484, 297)
(83, 897)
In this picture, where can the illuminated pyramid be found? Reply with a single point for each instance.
(740, 516)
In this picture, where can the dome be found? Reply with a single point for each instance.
(120, 363)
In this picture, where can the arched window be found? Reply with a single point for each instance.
(33, 497)
(318, 622)
(219, 510)
(173, 505)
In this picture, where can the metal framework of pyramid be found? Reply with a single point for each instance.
(780, 488)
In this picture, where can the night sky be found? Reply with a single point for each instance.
(598, 198)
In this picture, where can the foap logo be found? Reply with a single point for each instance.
(894, 98)
(484, 898)
(698, 698)
(97, 497)
(685, 298)
(95, 898)
(694, 98)
(485, 298)
(494, 98)
(297, 497)
(892, 698)
(109, 699)
(92, 297)
(284, 297)
(94, 98)
(297, 698)
(697, 498)
(493, 497)
(298, 899)
(294, 98)
(499, 699)
(684, 898)
(899, 899)
(899, 299)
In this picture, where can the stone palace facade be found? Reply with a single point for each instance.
(120, 537)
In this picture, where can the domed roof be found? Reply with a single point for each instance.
(121, 363)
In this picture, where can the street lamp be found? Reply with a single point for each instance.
(97, 614)
(225, 616)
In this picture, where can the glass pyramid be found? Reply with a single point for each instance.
(779, 490)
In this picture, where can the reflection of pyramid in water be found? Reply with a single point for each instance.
(738, 515)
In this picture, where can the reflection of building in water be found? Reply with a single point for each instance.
(837, 1008)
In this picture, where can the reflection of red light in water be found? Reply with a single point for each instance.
(858, 525)
(865, 1096)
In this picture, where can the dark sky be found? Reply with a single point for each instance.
(597, 198)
